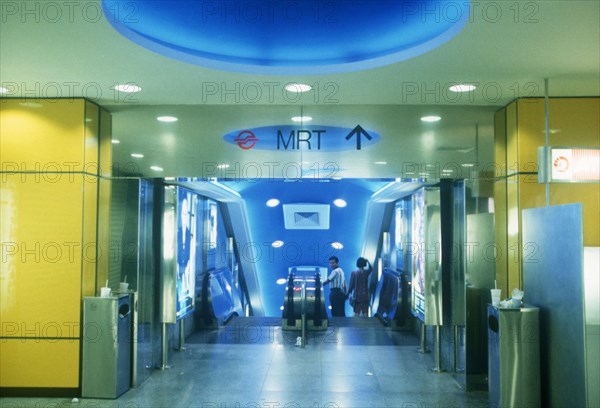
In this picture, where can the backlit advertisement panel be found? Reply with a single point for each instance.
(418, 260)
(187, 245)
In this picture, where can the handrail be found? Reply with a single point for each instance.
(303, 297)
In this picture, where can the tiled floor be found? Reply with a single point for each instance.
(251, 363)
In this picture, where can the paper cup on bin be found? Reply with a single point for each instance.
(104, 292)
(123, 287)
(496, 297)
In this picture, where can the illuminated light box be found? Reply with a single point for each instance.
(569, 164)
(289, 38)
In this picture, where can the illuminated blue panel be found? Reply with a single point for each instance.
(301, 247)
(300, 37)
(306, 138)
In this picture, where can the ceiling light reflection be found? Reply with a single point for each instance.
(167, 119)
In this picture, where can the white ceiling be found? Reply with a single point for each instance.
(507, 48)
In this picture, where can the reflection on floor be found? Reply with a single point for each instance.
(252, 363)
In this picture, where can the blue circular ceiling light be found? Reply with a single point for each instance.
(292, 37)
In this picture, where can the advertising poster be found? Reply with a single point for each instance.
(399, 236)
(212, 234)
(418, 258)
(187, 233)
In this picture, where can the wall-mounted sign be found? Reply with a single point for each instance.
(305, 138)
(569, 164)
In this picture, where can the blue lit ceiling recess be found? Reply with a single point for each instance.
(291, 37)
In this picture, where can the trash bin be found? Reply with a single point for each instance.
(134, 333)
(106, 368)
(513, 357)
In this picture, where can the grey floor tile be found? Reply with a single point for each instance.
(285, 382)
(293, 398)
(437, 400)
(362, 399)
(351, 383)
(354, 364)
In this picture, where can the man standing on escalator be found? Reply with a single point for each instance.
(337, 291)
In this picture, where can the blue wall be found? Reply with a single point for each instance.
(301, 247)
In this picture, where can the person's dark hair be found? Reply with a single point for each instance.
(334, 258)
(361, 262)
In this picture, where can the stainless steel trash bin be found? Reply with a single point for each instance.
(106, 367)
(513, 357)
(134, 333)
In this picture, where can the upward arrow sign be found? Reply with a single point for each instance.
(359, 132)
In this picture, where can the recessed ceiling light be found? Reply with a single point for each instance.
(277, 244)
(339, 202)
(380, 162)
(3, 90)
(337, 245)
(462, 88)
(293, 87)
(167, 119)
(301, 118)
(223, 166)
(156, 168)
(273, 202)
(281, 281)
(137, 155)
(431, 118)
(170, 178)
(128, 88)
(115, 141)
(467, 165)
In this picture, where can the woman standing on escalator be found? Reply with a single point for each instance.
(359, 283)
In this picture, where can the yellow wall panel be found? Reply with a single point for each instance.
(41, 251)
(105, 143)
(575, 122)
(90, 229)
(513, 233)
(589, 196)
(512, 139)
(91, 148)
(531, 127)
(572, 122)
(45, 137)
(49, 211)
(500, 221)
(43, 363)
(500, 142)
(531, 193)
